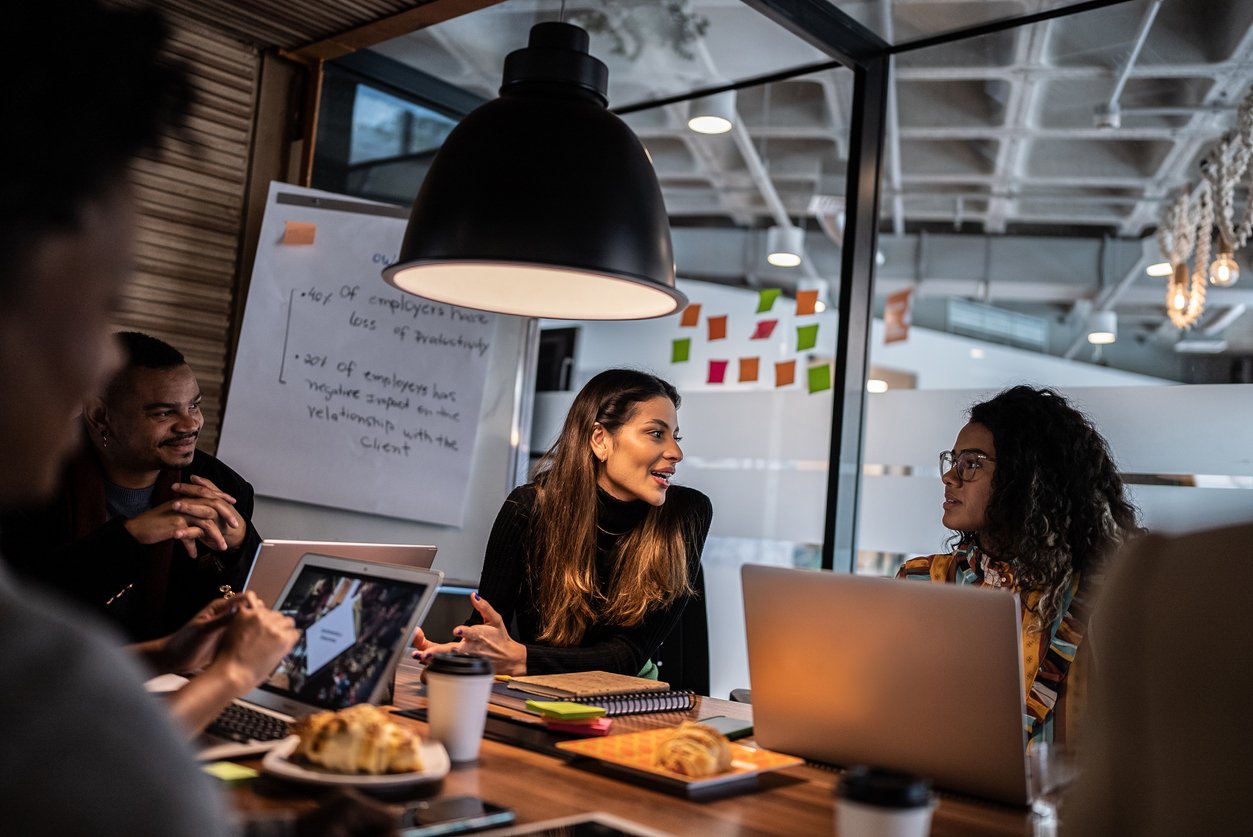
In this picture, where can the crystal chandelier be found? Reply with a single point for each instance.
(1188, 226)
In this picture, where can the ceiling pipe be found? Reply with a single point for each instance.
(1109, 115)
(1224, 320)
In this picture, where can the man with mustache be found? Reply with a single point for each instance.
(147, 529)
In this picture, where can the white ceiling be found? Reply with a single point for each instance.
(995, 135)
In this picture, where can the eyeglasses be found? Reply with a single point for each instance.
(965, 464)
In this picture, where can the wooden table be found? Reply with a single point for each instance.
(796, 801)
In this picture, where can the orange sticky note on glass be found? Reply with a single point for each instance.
(717, 371)
(784, 373)
(717, 327)
(299, 232)
(748, 369)
(690, 315)
(806, 302)
(764, 329)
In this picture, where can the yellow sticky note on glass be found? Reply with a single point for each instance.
(819, 378)
(806, 337)
(766, 298)
(299, 232)
(681, 350)
(229, 771)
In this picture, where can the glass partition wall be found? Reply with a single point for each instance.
(978, 192)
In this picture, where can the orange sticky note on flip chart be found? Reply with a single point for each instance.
(299, 232)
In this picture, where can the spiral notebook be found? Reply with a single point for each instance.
(617, 694)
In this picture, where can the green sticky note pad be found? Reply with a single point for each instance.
(681, 350)
(766, 298)
(806, 337)
(819, 378)
(564, 709)
(229, 771)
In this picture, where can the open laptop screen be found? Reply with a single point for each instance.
(354, 621)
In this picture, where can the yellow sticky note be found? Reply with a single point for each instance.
(299, 232)
(229, 771)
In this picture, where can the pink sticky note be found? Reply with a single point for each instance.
(717, 371)
(764, 329)
(299, 232)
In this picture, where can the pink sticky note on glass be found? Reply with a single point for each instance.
(764, 329)
(299, 232)
(717, 371)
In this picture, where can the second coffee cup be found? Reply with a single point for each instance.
(457, 688)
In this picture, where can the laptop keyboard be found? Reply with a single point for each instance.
(239, 723)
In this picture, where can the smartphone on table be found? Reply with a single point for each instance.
(452, 815)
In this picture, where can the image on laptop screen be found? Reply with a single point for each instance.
(351, 625)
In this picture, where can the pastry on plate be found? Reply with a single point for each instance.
(693, 750)
(359, 739)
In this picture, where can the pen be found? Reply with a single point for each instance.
(503, 678)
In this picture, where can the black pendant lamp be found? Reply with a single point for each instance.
(542, 202)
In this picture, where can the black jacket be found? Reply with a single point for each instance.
(94, 567)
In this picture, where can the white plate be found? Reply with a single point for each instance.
(277, 762)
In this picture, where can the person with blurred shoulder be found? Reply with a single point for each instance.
(84, 749)
(146, 528)
(590, 566)
(1164, 751)
(1036, 505)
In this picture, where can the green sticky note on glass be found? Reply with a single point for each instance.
(819, 378)
(766, 298)
(229, 771)
(681, 350)
(806, 337)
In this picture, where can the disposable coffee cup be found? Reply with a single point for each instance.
(457, 688)
(873, 802)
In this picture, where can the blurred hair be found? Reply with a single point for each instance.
(84, 90)
(1058, 506)
(143, 351)
(650, 568)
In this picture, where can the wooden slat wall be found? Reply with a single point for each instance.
(191, 206)
(287, 24)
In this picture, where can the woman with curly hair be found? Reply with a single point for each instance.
(590, 566)
(1036, 504)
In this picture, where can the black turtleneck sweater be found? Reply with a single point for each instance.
(510, 564)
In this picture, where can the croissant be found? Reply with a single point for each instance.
(359, 739)
(693, 750)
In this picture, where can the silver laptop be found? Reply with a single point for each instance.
(918, 677)
(276, 559)
(355, 619)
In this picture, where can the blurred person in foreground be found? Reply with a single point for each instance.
(82, 748)
(1036, 506)
(1164, 750)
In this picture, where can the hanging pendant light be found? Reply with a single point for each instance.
(542, 202)
(1102, 328)
(785, 245)
(713, 114)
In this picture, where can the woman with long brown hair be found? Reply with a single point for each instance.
(589, 567)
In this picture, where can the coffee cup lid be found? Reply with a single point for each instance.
(884, 788)
(455, 663)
